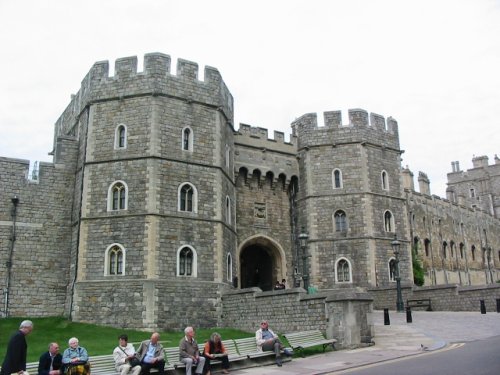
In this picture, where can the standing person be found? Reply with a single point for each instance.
(17, 349)
(214, 348)
(50, 362)
(190, 353)
(75, 359)
(125, 360)
(267, 340)
(151, 354)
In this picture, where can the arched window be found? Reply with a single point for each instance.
(343, 271)
(337, 179)
(188, 198)
(186, 262)
(426, 246)
(472, 192)
(114, 260)
(392, 269)
(385, 180)
(228, 210)
(120, 136)
(388, 221)
(118, 196)
(340, 221)
(462, 250)
(473, 252)
(229, 265)
(187, 139)
(445, 245)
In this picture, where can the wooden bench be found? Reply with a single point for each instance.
(31, 367)
(307, 339)
(172, 355)
(247, 347)
(424, 302)
(239, 349)
(105, 365)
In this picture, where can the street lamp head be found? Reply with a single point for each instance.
(395, 245)
(15, 200)
(303, 237)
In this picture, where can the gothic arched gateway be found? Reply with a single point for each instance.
(262, 263)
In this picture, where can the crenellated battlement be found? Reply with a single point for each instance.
(357, 117)
(156, 79)
(361, 127)
(258, 137)
(154, 63)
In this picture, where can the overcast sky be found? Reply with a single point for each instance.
(432, 65)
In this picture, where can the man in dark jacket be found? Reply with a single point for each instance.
(50, 362)
(17, 349)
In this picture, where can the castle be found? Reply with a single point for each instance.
(155, 206)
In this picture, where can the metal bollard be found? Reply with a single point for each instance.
(408, 315)
(387, 321)
(498, 305)
(483, 307)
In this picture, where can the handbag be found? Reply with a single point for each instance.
(134, 362)
(76, 368)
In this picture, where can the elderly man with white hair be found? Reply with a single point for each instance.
(17, 349)
(190, 353)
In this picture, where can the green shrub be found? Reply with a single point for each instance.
(418, 271)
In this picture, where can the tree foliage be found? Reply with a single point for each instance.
(418, 270)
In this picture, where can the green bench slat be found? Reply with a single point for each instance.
(307, 339)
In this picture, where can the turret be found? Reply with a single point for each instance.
(424, 183)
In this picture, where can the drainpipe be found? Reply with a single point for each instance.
(8, 264)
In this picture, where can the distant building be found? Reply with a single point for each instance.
(155, 205)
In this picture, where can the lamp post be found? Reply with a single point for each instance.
(8, 263)
(399, 299)
(489, 264)
(303, 237)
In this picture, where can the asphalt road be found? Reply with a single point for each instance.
(480, 357)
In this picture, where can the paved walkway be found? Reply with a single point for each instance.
(429, 331)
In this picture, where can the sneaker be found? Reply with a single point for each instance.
(287, 352)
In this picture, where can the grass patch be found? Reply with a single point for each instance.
(96, 339)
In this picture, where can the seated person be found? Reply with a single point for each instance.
(189, 352)
(75, 359)
(124, 356)
(50, 362)
(214, 349)
(151, 354)
(267, 340)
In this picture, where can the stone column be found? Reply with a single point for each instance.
(348, 321)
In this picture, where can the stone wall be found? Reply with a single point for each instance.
(39, 260)
(342, 316)
(443, 297)
(148, 304)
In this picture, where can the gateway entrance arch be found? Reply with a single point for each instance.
(262, 262)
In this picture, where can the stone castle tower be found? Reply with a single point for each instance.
(155, 206)
(351, 197)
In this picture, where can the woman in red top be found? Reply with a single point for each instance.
(214, 349)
